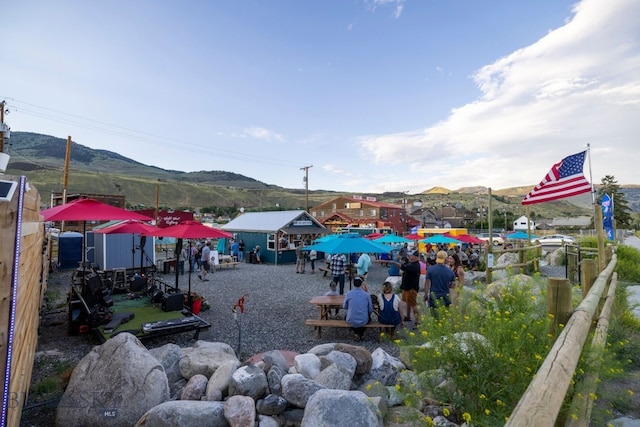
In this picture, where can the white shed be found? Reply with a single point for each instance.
(520, 224)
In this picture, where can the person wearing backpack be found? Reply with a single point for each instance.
(389, 308)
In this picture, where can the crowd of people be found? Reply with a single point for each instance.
(438, 273)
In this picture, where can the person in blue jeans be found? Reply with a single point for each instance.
(359, 307)
(389, 308)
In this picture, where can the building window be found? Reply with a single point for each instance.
(322, 214)
(372, 213)
(383, 214)
(360, 212)
(271, 241)
(333, 206)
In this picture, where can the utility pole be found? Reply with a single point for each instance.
(2, 104)
(306, 183)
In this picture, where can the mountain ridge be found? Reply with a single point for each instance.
(99, 171)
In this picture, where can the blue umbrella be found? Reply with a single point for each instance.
(520, 235)
(439, 238)
(349, 243)
(392, 238)
(326, 238)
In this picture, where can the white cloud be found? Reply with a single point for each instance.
(578, 84)
(262, 133)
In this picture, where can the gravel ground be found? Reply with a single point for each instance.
(276, 305)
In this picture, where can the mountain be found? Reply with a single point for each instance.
(42, 157)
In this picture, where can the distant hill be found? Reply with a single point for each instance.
(41, 159)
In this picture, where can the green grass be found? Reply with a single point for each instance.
(486, 377)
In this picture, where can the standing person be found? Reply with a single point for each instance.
(205, 256)
(184, 256)
(423, 273)
(313, 256)
(300, 258)
(363, 264)
(257, 255)
(241, 250)
(338, 267)
(455, 265)
(404, 251)
(359, 307)
(389, 308)
(198, 256)
(439, 280)
(411, 286)
(192, 257)
(235, 248)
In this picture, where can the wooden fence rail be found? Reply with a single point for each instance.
(542, 401)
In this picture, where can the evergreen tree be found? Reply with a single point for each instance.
(621, 211)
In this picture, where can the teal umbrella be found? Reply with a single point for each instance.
(520, 235)
(392, 238)
(439, 238)
(349, 243)
(326, 238)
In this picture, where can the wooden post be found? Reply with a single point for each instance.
(559, 302)
(589, 274)
(572, 264)
(602, 260)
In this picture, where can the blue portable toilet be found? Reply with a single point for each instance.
(69, 249)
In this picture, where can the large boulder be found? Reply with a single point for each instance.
(341, 408)
(184, 413)
(205, 357)
(115, 384)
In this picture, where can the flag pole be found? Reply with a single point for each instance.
(597, 217)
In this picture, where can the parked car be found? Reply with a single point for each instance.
(497, 239)
(555, 240)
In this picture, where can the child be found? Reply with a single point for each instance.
(389, 308)
(331, 292)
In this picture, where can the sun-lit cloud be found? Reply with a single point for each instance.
(397, 4)
(262, 133)
(578, 84)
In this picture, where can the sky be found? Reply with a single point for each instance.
(366, 96)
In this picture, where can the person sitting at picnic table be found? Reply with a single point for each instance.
(359, 307)
(389, 308)
(333, 292)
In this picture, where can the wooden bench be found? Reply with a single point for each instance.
(226, 264)
(336, 323)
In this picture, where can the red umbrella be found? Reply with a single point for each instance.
(413, 236)
(131, 226)
(89, 210)
(466, 238)
(189, 230)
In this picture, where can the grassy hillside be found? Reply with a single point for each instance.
(41, 159)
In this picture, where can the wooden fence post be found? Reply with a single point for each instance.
(589, 275)
(559, 302)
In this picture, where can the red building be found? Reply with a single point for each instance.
(362, 212)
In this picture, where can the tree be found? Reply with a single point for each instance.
(621, 211)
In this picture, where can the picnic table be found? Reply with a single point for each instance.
(325, 304)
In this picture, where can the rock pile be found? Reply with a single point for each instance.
(121, 383)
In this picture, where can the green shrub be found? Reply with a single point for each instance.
(488, 376)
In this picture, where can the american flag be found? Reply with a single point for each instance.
(565, 179)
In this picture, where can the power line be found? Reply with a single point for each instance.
(145, 137)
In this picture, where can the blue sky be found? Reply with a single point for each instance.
(375, 95)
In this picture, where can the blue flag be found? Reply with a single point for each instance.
(607, 215)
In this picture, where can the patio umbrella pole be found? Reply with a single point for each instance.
(177, 254)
